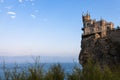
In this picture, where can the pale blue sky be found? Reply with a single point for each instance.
(49, 27)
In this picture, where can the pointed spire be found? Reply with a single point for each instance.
(82, 13)
(101, 18)
(88, 13)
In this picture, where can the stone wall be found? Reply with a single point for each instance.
(104, 50)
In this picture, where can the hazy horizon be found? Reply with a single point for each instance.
(43, 59)
(49, 27)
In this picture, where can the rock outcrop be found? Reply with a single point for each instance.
(103, 50)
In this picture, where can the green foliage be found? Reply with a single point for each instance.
(118, 27)
(36, 71)
(94, 72)
(56, 72)
(76, 74)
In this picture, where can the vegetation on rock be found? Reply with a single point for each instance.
(56, 72)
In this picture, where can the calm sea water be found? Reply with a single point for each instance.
(68, 67)
(67, 63)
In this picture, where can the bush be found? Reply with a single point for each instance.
(55, 72)
(76, 74)
(36, 71)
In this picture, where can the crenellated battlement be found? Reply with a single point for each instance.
(94, 27)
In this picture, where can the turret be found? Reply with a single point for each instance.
(102, 22)
(85, 17)
(91, 27)
(111, 25)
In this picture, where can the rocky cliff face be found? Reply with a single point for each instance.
(104, 50)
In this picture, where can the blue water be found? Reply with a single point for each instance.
(68, 67)
(24, 63)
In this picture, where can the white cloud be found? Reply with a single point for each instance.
(45, 19)
(25, 0)
(20, 1)
(0, 11)
(1, 1)
(33, 4)
(33, 16)
(31, 0)
(13, 17)
(9, 7)
(11, 13)
(36, 10)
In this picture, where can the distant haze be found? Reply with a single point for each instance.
(43, 59)
(49, 27)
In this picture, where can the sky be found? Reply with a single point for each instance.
(49, 27)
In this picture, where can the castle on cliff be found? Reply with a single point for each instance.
(93, 27)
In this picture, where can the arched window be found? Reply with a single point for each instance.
(108, 28)
(88, 24)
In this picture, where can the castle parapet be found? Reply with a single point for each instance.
(92, 26)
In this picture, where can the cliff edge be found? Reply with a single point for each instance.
(100, 42)
(102, 50)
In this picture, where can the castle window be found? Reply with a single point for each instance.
(108, 28)
(88, 24)
(92, 29)
(97, 29)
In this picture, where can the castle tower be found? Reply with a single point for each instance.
(103, 27)
(102, 22)
(87, 23)
(93, 27)
(111, 26)
(85, 17)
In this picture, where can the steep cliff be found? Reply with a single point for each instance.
(103, 50)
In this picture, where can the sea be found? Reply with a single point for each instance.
(67, 67)
(11, 62)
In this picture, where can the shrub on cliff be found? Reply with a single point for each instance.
(94, 71)
(76, 74)
(55, 72)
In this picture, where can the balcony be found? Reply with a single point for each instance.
(89, 34)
